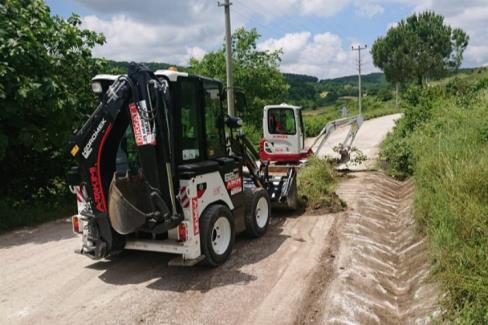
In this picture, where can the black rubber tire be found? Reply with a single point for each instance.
(252, 227)
(207, 221)
(292, 200)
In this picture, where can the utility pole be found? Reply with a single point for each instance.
(228, 59)
(359, 48)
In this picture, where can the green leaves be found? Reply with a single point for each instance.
(256, 72)
(45, 71)
(420, 47)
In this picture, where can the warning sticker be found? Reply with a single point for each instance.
(143, 131)
(233, 182)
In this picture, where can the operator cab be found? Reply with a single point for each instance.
(283, 134)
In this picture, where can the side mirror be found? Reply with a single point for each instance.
(240, 103)
(234, 122)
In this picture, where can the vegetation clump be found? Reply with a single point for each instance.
(316, 185)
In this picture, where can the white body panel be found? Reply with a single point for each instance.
(194, 200)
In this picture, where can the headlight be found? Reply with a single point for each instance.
(97, 87)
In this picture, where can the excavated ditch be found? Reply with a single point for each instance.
(380, 271)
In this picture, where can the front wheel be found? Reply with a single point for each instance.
(258, 212)
(216, 234)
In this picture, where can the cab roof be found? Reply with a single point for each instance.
(170, 74)
(283, 105)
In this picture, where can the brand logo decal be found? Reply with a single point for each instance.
(233, 182)
(143, 132)
(97, 190)
(88, 148)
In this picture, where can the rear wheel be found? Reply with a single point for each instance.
(216, 234)
(258, 212)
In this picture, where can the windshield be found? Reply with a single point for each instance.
(281, 121)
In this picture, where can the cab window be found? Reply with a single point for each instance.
(214, 125)
(281, 121)
(190, 144)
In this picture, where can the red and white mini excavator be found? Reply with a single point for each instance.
(282, 149)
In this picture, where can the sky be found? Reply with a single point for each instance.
(315, 35)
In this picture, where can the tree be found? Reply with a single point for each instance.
(420, 47)
(255, 71)
(45, 71)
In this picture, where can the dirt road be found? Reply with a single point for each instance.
(307, 269)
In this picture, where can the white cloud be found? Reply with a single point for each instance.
(128, 39)
(195, 52)
(173, 31)
(321, 55)
(369, 9)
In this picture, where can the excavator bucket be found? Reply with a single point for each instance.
(128, 203)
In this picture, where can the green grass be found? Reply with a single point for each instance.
(13, 215)
(317, 183)
(443, 142)
(315, 120)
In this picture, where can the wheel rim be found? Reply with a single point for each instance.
(262, 212)
(221, 234)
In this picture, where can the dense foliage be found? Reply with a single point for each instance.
(443, 142)
(45, 70)
(256, 72)
(420, 47)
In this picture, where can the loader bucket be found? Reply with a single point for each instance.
(128, 204)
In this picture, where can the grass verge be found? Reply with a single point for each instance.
(443, 142)
(13, 216)
(371, 107)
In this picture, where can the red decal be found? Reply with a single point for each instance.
(143, 132)
(101, 205)
(234, 183)
(282, 136)
(97, 190)
(184, 200)
(136, 123)
(194, 213)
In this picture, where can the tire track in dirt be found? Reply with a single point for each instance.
(380, 275)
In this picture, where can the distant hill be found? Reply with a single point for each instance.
(377, 78)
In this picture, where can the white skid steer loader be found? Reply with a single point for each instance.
(155, 170)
